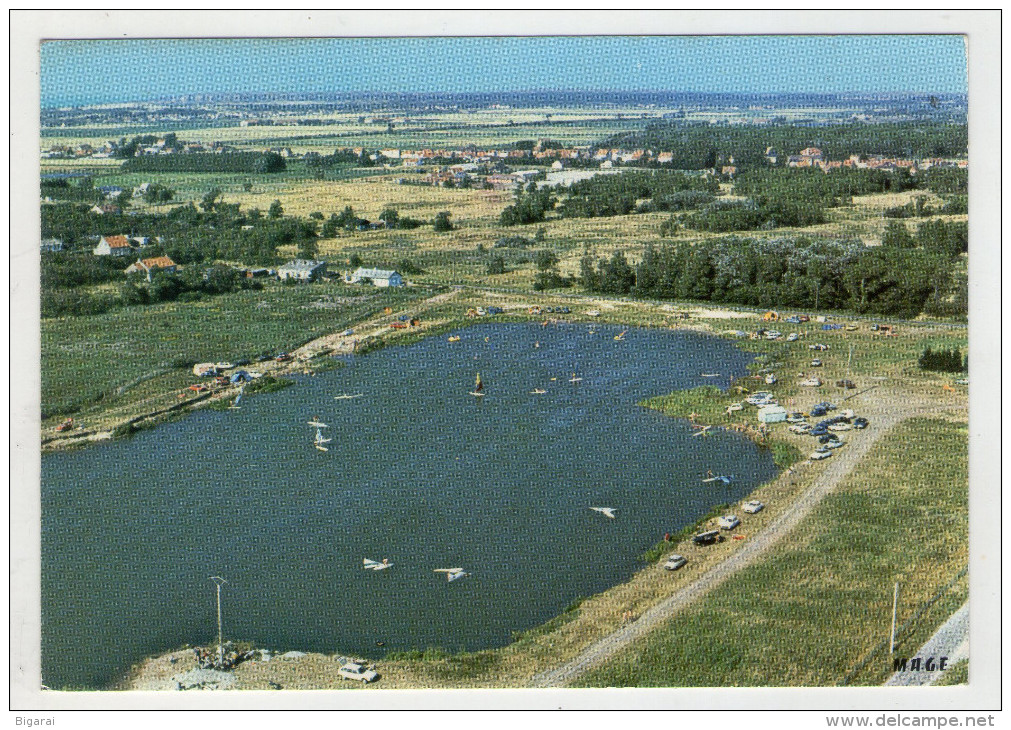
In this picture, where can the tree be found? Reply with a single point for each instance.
(545, 260)
(390, 217)
(354, 260)
(275, 210)
(308, 248)
(157, 193)
(441, 222)
(896, 235)
(270, 162)
(210, 200)
(497, 265)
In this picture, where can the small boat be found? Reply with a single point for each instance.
(702, 431)
(710, 375)
(452, 573)
(319, 442)
(453, 338)
(621, 336)
(478, 387)
(347, 396)
(724, 479)
(538, 391)
(606, 511)
(574, 379)
(376, 565)
(316, 423)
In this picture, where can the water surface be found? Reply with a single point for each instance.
(418, 471)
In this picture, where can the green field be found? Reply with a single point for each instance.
(116, 358)
(813, 612)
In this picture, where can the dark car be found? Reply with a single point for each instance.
(848, 384)
(824, 439)
(708, 538)
(860, 422)
(241, 363)
(564, 310)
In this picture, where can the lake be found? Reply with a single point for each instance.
(418, 471)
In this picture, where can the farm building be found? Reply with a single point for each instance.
(113, 246)
(302, 270)
(379, 277)
(148, 266)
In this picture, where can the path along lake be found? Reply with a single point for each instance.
(418, 471)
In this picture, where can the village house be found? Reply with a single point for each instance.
(302, 270)
(148, 266)
(113, 246)
(379, 277)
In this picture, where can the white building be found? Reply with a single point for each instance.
(302, 270)
(379, 277)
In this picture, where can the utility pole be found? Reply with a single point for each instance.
(218, 581)
(895, 608)
(849, 360)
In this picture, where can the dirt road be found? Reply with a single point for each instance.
(884, 415)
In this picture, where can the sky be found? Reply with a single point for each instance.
(101, 71)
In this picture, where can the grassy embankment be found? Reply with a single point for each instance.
(116, 361)
(821, 606)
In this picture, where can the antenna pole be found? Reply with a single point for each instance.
(219, 581)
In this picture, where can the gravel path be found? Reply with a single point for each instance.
(951, 640)
(884, 415)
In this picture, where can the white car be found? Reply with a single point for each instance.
(752, 507)
(834, 443)
(729, 522)
(800, 428)
(675, 561)
(792, 337)
(773, 335)
(811, 382)
(816, 363)
(840, 427)
(819, 455)
(762, 397)
(358, 672)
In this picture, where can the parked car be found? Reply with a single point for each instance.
(826, 437)
(818, 346)
(792, 337)
(803, 318)
(675, 561)
(848, 384)
(565, 310)
(834, 444)
(762, 397)
(792, 319)
(351, 670)
(860, 422)
(729, 522)
(773, 335)
(841, 426)
(708, 538)
(816, 363)
(752, 507)
(283, 357)
(800, 428)
(819, 455)
(796, 417)
(811, 382)
(827, 406)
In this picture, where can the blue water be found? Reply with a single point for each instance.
(419, 472)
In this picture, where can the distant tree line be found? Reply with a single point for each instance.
(797, 272)
(702, 146)
(234, 162)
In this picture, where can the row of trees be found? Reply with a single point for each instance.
(799, 272)
(948, 238)
(187, 285)
(943, 361)
(702, 146)
(231, 162)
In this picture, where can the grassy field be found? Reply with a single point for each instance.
(115, 359)
(810, 614)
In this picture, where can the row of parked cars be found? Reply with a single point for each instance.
(711, 537)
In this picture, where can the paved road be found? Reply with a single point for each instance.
(951, 640)
(886, 413)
